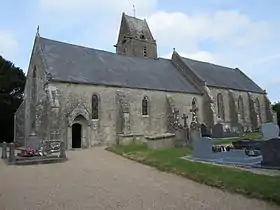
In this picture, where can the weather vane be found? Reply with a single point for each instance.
(133, 7)
(38, 30)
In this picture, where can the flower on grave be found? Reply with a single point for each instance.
(30, 150)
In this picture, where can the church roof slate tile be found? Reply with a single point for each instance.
(77, 64)
(223, 77)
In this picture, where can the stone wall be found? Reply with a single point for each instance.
(35, 82)
(104, 129)
(135, 47)
(19, 135)
(230, 100)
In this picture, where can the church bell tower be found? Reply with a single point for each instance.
(135, 38)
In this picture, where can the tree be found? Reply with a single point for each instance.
(12, 82)
(276, 108)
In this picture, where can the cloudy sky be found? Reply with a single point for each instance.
(235, 33)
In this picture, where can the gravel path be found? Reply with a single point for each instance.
(97, 179)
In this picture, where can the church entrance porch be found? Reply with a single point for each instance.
(76, 135)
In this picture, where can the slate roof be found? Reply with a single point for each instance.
(72, 63)
(220, 76)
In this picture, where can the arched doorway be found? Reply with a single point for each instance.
(76, 135)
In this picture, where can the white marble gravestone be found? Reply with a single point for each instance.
(270, 131)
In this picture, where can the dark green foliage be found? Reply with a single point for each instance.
(12, 82)
(276, 108)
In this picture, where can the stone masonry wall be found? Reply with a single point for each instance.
(19, 137)
(154, 123)
(135, 47)
(36, 63)
(245, 96)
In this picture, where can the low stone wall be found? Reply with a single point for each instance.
(161, 141)
(130, 139)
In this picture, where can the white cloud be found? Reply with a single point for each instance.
(228, 28)
(231, 37)
(8, 44)
(85, 6)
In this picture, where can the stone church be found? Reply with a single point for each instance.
(89, 97)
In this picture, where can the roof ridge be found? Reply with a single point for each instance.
(100, 50)
(79, 64)
(222, 76)
(75, 45)
(206, 62)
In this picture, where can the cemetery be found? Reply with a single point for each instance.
(235, 164)
(263, 153)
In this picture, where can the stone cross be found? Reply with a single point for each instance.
(194, 110)
(185, 118)
(176, 117)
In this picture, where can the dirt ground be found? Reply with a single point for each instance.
(97, 179)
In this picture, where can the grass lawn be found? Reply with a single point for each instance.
(230, 179)
(255, 136)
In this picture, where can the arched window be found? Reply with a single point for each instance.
(220, 103)
(240, 107)
(95, 106)
(258, 107)
(145, 106)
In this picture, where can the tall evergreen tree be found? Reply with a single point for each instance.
(12, 82)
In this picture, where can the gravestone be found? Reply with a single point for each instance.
(204, 131)
(270, 131)
(32, 141)
(271, 152)
(12, 152)
(194, 134)
(218, 131)
(202, 147)
(4, 150)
